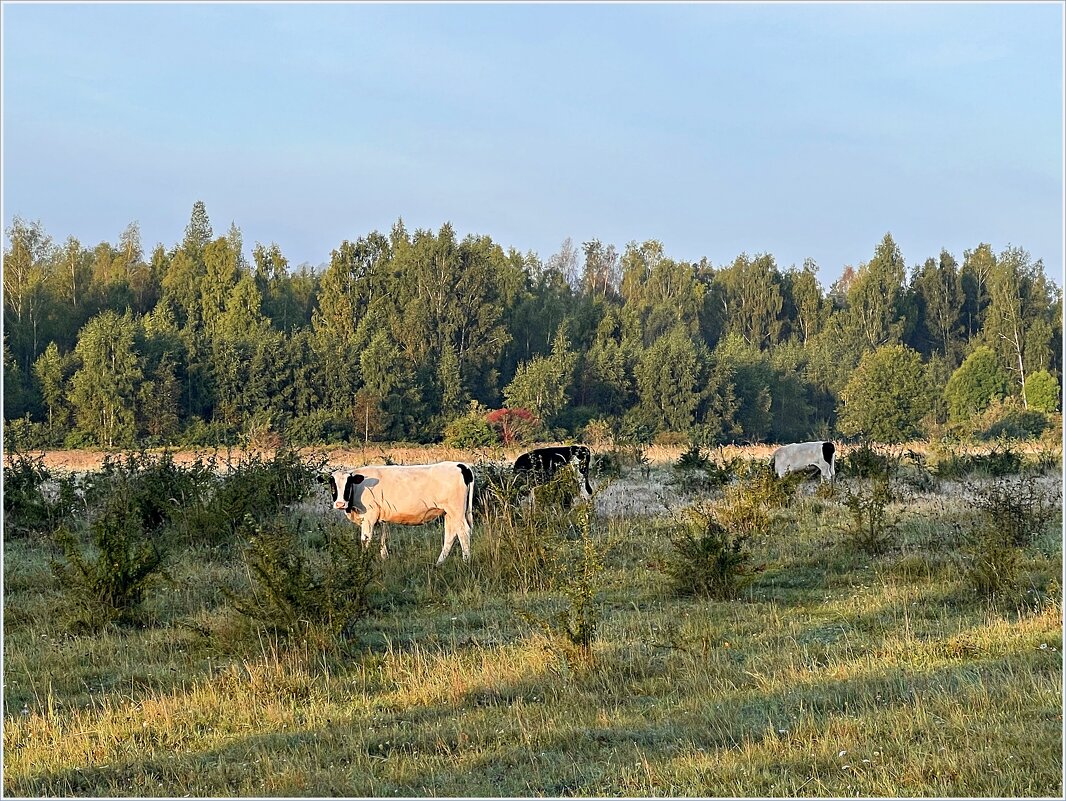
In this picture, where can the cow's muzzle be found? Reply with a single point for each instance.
(340, 505)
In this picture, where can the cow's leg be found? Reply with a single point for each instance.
(449, 540)
(366, 529)
(384, 547)
(464, 537)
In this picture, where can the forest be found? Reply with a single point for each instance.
(422, 337)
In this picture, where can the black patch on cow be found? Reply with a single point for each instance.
(468, 474)
(332, 486)
(828, 449)
(349, 489)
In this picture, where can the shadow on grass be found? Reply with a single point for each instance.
(529, 737)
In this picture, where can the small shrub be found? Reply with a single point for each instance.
(512, 425)
(708, 560)
(471, 430)
(26, 508)
(573, 628)
(1008, 419)
(319, 428)
(1048, 459)
(1018, 508)
(108, 584)
(561, 491)
(158, 487)
(295, 591)
(872, 529)
(606, 464)
(598, 433)
(992, 560)
(254, 490)
(1002, 460)
(695, 471)
(22, 434)
(866, 461)
(519, 540)
(692, 459)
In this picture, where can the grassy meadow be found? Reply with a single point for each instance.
(838, 669)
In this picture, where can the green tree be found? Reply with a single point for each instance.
(50, 371)
(808, 309)
(103, 391)
(668, 378)
(25, 273)
(159, 401)
(751, 300)
(887, 396)
(977, 268)
(197, 232)
(541, 384)
(658, 293)
(1042, 392)
(978, 381)
(874, 297)
(221, 275)
(1017, 324)
(938, 287)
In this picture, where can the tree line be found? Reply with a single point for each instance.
(424, 336)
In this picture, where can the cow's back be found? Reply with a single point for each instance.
(413, 493)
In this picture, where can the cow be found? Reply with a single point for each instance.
(541, 464)
(408, 494)
(800, 455)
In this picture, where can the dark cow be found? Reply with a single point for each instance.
(408, 494)
(541, 464)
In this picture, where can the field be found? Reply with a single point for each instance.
(836, 670)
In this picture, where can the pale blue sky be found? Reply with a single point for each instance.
(800, 130)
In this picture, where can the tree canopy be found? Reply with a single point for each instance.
(402, 333)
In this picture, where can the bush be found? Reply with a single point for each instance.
(296, 591)
(1001, 460)
(1008, 421)
(696, 471)
(254, 490)
(709, 560)
(1042, 391)
(158, 488)
(512, 425)
(108, 584)
(1017, 508)
(872, 529)
(26, 509)
(199, 433)
(992, 561)
(866, 461)
(471, 430)
(319, 428)
(22, 434)
(574, 627)
(522, 541)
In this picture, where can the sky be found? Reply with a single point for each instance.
(802, 130)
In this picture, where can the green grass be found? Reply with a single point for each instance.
(836, 673)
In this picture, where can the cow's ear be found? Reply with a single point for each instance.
(357, 478)
(323, 478)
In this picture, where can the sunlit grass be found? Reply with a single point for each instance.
(835, 674)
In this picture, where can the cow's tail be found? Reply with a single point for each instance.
(468, 477)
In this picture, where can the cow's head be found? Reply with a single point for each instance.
(342, 486)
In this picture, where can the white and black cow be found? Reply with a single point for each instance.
(541, 464)
(801, 455)
(408, 494)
